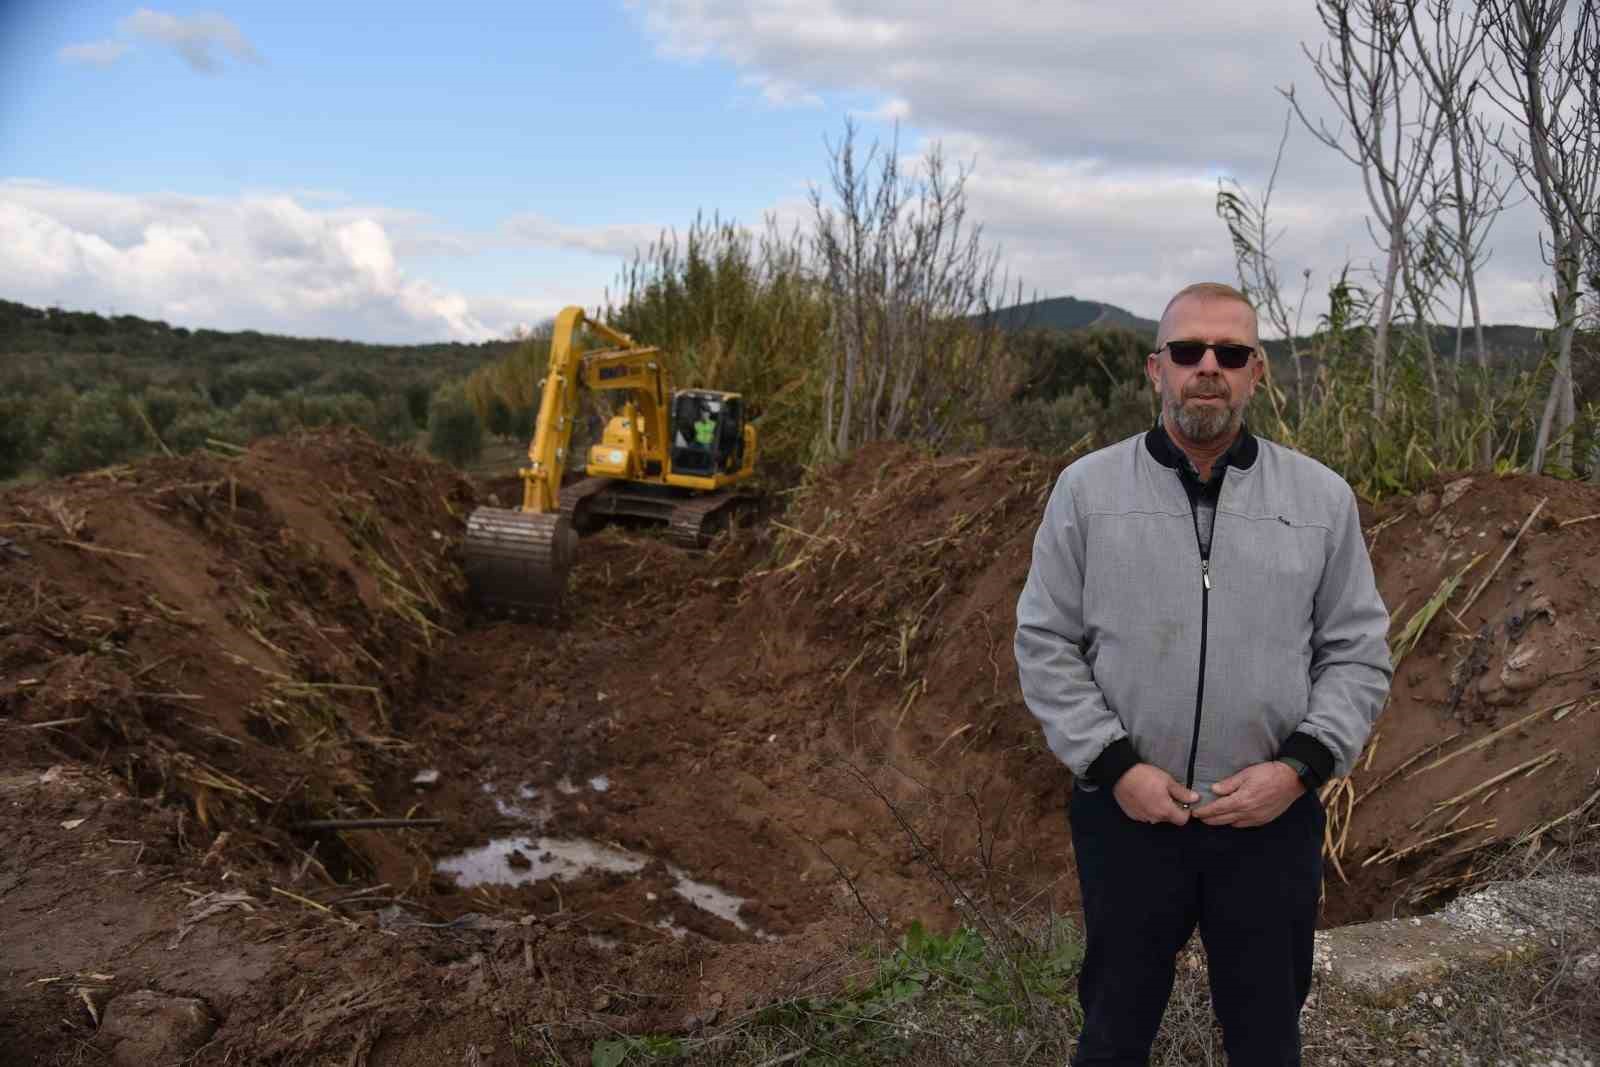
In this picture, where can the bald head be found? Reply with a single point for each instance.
(1203, 291)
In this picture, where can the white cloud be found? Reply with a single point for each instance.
(894, 109)
(619, 240)
(306, 263)
(1072, 77)
(196, 38)
(1134, 236)
(1098, 131)
(779, 92)
(258, 262)
(521, 314)
(95, 53)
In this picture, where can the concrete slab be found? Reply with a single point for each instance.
(1384, 963)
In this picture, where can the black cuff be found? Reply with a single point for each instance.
(1313, 753)
(1113, 763)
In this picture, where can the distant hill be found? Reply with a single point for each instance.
(1520, 345)
(1069, 313)
(84, 348)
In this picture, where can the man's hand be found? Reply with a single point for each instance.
(1253, 797)
(1147, 793)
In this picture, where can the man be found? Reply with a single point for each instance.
(1201, 638)
(705, 429)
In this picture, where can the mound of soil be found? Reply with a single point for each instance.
(1490, 734)
(230, 631)
(667, 808)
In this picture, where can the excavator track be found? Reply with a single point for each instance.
(516, 563)
(695, 522)
(691, 521)
(577, 503)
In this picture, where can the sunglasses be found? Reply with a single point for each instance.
(1190, 353)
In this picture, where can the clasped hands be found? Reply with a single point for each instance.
(1252, 797)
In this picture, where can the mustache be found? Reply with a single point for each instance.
(1206, 389)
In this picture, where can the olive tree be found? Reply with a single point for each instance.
(455, 433)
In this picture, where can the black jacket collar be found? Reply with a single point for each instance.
(1242, 453)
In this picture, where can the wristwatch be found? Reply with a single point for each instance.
(1301, 771)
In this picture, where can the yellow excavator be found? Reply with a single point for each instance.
(669, 456)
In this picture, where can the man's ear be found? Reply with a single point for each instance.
(1152, 370)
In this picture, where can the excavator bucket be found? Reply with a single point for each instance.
(516, 562)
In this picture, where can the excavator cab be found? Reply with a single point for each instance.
(707, 432)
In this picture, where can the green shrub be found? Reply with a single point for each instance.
(192, 429)
(391, 420)
(164, 405)
(100, 431)
(259, 415)
(16, 437)
(417, 396)
(455, 433)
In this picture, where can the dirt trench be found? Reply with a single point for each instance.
(671, 807)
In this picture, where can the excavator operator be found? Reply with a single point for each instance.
(705, 429)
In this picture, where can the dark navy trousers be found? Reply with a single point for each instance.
(1252, 893)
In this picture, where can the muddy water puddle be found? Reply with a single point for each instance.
(533, 857)
(524, 860)
(707, 897)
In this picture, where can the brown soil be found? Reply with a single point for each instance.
(820, 716)
(1507, 683)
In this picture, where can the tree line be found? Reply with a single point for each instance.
(79, 390)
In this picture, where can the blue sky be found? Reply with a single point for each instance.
(409, 172)
(468, 118)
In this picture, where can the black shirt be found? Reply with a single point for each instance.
(1203, 492)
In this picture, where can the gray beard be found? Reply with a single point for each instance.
(1204, 424)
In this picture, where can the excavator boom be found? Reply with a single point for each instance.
(558, 407)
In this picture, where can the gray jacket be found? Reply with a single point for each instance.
(1129, 652)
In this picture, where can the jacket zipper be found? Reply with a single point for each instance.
(1205, 611)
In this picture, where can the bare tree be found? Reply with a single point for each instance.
(1424, 267)
(1450, 59)
(1547, 78)
(911, 292)
(1253, 238)
(1388, 128)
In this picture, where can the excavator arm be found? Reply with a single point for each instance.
(627, 365)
